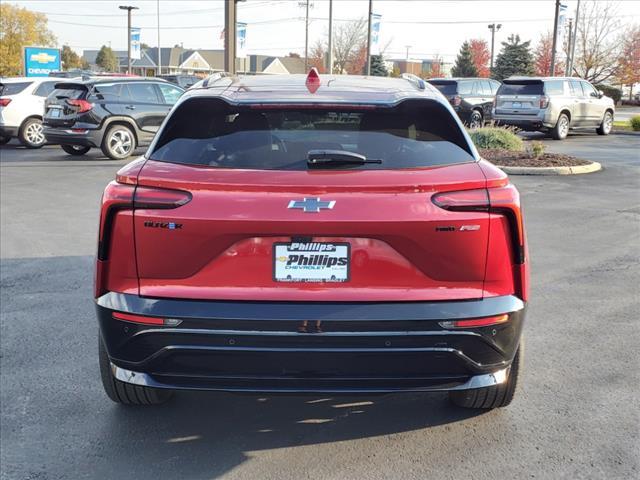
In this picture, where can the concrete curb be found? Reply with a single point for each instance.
(590, 168)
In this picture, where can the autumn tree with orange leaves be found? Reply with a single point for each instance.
(317, 57)
(542, 57)
(628, 70)
(480, 56)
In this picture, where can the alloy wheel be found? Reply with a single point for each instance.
(607, 124)
(121, 142)
(34, 133)
(564, 126)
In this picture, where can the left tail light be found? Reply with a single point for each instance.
(82, 106)
(4, 102)
(456, 101)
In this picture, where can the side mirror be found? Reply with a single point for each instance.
(600, 94)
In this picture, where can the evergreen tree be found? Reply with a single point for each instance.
(464, 66)
(514, 59)
(107, 60)
(378, 68)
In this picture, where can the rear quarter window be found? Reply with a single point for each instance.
(521, 89)
(12, 88)
(554, 87)
(211, 132)
(107, 92)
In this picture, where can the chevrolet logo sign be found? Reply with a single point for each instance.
(42, 57)
(311, 205)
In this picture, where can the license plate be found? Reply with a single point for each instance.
(311, 262)
(55, 112)
(516, 105)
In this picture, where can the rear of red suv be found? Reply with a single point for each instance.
(327, 234)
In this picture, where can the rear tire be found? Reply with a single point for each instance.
(125, 393)
(561, 130)
(75, 149)
(119, 142)
(4, 140)
(476, 120)
(496, 396)
(606, 125)
(30, 134)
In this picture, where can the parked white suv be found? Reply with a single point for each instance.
(21, 109)
(553, 104)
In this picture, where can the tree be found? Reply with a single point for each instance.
(349, 40)
(20, 27)
(542, 57)
(597, 42)
(464, 67)
(514, 59)
(317, 57)
(480, 56)
(378, 67)
(293, 55)
(70, 59)
(628, 69)
(107, 60)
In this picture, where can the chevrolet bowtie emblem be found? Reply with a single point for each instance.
(311, 205)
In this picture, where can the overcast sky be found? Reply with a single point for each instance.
(277, 27)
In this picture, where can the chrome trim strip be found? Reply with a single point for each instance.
(477, 381)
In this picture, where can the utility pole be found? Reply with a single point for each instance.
(568, 65)
(407, 55)
(306, 38)
(128, 8)
(493, 27)
(159, 50)
(330, 60)
(552, 73)
(230, 36)
(575, 38)
(369, 38)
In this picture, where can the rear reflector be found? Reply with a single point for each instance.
(475, 322)
(144, 320)
(4, 102)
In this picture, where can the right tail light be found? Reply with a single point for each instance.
(81, 105)
(544, 101)
(4, 102)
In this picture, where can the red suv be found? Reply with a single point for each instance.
(311, 234)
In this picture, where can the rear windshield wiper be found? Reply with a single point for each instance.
(320, 158)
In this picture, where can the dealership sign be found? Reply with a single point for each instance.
(135, 44)
(39, 61)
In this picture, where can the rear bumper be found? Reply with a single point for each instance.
(6, 131)
(526, 122)
(310, 347)
(65, 136)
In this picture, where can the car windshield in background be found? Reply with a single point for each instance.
(527, 88)
(13, 87)
(446, 88)
(213, 133)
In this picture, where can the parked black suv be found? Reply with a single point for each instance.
(471, 98)
(114, 114)
(184, 81)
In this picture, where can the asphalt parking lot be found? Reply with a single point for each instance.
(576, 415)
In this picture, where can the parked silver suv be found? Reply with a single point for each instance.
(554, 104)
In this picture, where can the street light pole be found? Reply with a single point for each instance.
(159, 50)
(330, 66)
(306, 39)
(552, 72)
(493, 27)
(128, 8)
(369, 38)
(573, 43)
(230, 36)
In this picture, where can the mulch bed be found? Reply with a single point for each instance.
(509, 158)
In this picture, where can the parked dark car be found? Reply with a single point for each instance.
(184, 81)
(471, 98)
(113, 114)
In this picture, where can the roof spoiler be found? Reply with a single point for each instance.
(211, 79)
(415, 80)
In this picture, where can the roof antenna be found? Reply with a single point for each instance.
(313, 80)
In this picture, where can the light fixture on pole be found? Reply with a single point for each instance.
(128, 8)
(493, 27)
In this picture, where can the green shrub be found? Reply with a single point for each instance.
(611, 92)
(490, 137)
(537, 149)
(635, 123)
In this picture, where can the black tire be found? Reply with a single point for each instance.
(119, 142)
(75, 149)
(125, 393)
(561, 129)
(475, 119)
(30, 134)
(4, 140)
(496, 396)
(606, 125)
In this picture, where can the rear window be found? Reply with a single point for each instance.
(13, 87)
(67, 92)
(524, 88)
(211, 132)
(446, 88)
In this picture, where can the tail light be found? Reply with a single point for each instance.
(119, 196)
(456, 101)
(476, 322)
(82, 105)
(544, 101)
(502, 201)
(313, 80)
(4, 102)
